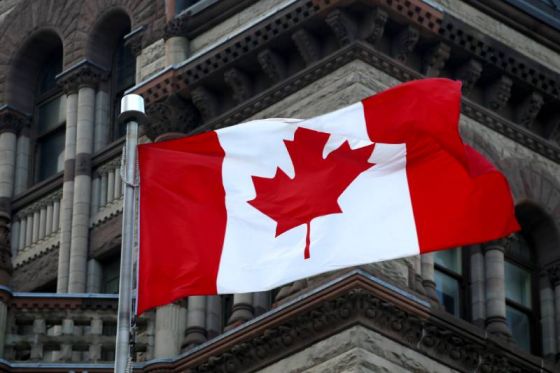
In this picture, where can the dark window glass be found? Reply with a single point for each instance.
(520, 325)
(448, 292)
(448, 276)
(124, 75)
(519, 304)
(181, 5)
(227, 308)
(110, 276)
(50, 121)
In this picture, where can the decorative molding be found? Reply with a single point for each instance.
(469, 73)
(13, 120)
(404, 43)
(553, 273)
(498, 93)
(272, 64)
(528, 110)
(307, 45)
(174, 114)
(240, 84)
(374, 26)
(435, 59)
(83, 74)
(344, 27)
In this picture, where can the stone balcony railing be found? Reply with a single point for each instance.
(107, 191)
(68, 328)
(35, 227)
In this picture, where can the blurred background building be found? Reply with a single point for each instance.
(206, 64)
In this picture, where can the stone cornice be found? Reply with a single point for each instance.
(515, 97)
(352, 299)
(83, 74)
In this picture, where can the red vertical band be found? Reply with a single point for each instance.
(182, 219)
(457, 196)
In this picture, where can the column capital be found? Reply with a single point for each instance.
(13, 120)
(83, 74)
(553, 272)
(500, 244)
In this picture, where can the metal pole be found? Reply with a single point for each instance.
(132, 112)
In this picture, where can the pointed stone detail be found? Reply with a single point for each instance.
(469, 73)
(240, 84)
(307, 45)
(404, 43)
(172, 115)
(374, 25)
(272, 64)
(528, 110)
(435, 59)
(205, 101)
(343, 26)
(498, 93)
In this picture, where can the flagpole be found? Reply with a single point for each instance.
(132, 112)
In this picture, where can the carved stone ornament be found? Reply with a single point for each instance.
(436, 58)
(83, 74)
(174, 114)
(12, 120)
(272, 64)
(343, 25)
(374, 26)
(307, 45)
(529, 109)
(240, 84)
(499, 92)
(404, 43)
(205, 101)
(469, 73)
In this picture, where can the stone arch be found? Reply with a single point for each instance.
(104, 38)
(531, 183)
(27, 20)
(23, 74)
(147, 13)
(481, 144)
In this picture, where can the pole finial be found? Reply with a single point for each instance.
(132, 108)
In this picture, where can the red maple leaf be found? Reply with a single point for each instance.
(317, 184)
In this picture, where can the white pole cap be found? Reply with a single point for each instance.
(132, 108)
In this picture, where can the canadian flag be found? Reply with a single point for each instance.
(260, 204)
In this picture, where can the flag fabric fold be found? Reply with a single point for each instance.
(260, 204)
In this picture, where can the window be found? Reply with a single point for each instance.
(519, 283)
(124, 75)
(110, 275)
(448, 276)
(49, 121)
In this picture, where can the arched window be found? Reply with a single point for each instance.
(123, 77)
(449, 276)
(49, 119)
(520, 270)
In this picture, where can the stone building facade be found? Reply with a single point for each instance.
(206, 64)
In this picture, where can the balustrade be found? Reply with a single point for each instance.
(35, 227)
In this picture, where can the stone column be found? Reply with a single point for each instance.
(10, 123)
(196, 321)
(22, 161)
(102, 134)
(3, 326)
(67, 192)
(170, 323)
(242, 310)
(495, 289)
(477, 285)
(213, 316)
(428, 279)
(176, 49)
(261, 302)
(94, 274)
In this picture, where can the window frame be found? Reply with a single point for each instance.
(533, 312)
(463, 280)
(40, 99)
